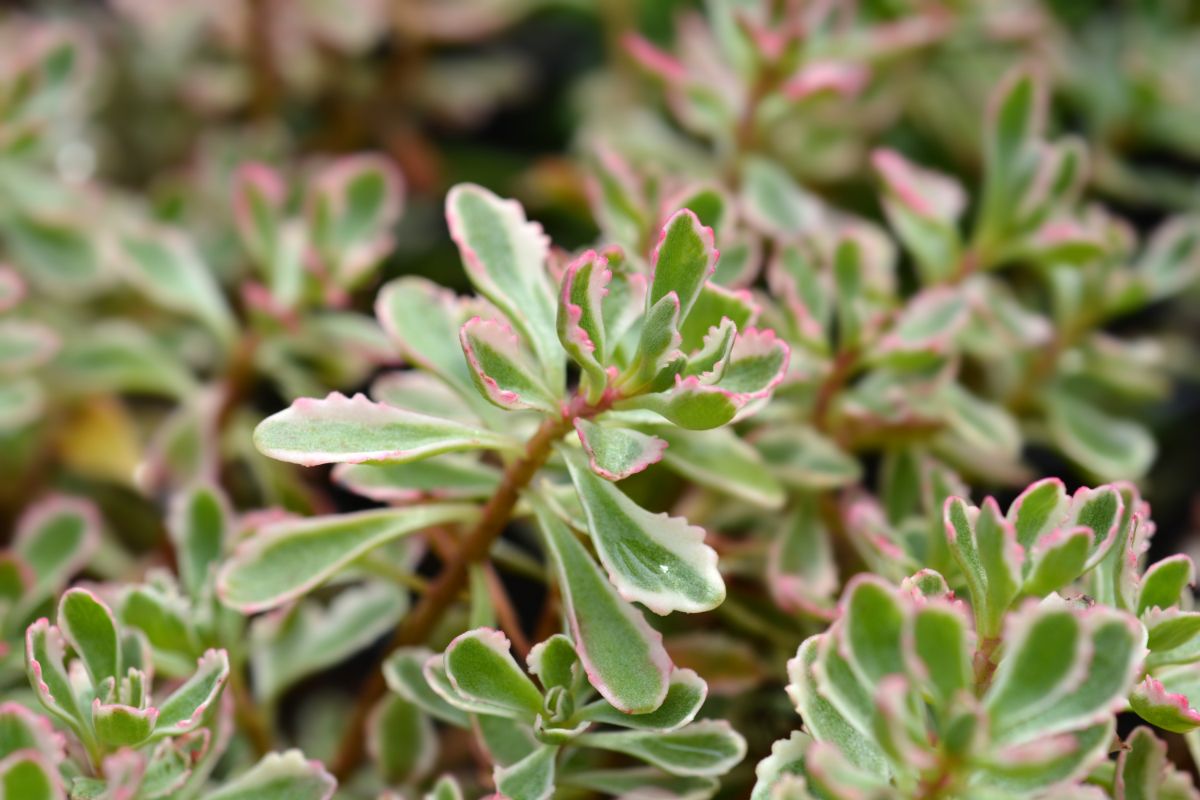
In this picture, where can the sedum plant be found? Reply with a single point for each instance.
(308, 494)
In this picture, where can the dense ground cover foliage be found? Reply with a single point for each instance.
(516, 398)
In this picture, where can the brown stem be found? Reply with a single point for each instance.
(985, 663)
(419, 624)
(264, 96)
(839, 373)
(248, 714)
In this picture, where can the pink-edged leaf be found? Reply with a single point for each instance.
(826, 77)
(12, 288)
(288, 558)
(184, 709)
(1056, 560)
(504, 373)
(985, 546)
(654, 559)
(714, 305)
(658, 355)
(925, 329)
(505, 257)
(259, 194)
(21, 729)
(801, 572)
(340, 429)
(351, 206)
(683, 260)
(279, 775)
(1164, 583)
(481, 668)
(655, 60)
(45, 650)
(25, 344)
(30, 775)
(55, 538)
(88, 624)
(1169, 711)
(581, 315)
(757, 363)
(923, 192)
(709, 361)
(122, 726)
(616, 453)
(691, 404)
(447, 477)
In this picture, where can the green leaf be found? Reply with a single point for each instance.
(21, 403)
(447, 477)
(279, 776)
(531, 778)
(554, 660)
(942, 643)
(1063, 672)
(446, 788)
(1142, 766)
(423, 321)
(924, 208)
(25, 345)
(309, 638)
(925, 330)
(503, 372)
(1050, 762)
(1100, 509)
(709, 747)
(722, 461)
(45, 650)
(340, 429)
(713, 306)
(821, 719)
(1057, 559)
(120, 357)
(199, 525)
(985, 546)
(481, 668)
(183, 710)
(1171, 261)
(401, 740)
(505, 258)
(622, 655)
(352, 205)
(756, 364)
(89, 626)
(685, 694)
(801, 570)
(802, 458)
(873, 622)
(122, 726)
(29, 775)
(580, 321)
(163, 618)
(287, 559)
(684, 259)
(166, 267)
(1038, 511)
(55, 254)
(1170, 711)
(1107, 446)
(55, 537)
(654, 559)
(630, 781)
(691, 404)
(775, 204)
(616, 453)
(404, 672)
(658, 343)
(1164, 583)
(21, 729)
(786, 761)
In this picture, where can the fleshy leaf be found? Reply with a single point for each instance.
(756, 364)
(690, 405)
(685, 694)
(616, 453)
(1164, 583)
(56, 537)
(654, 559)
(351, 207)
(24, 345)
(531, 778)
(925, 329)
(21, 729)
(89, 626)
(279, 776)
(1038, 510)
(505, 257)
(405, 675)
(340, 429)
(447, 477)
(308, 638)
(122, 726)
(1057, 559)
(802, 573)
(942, 644)
(288, 558)
(424, 320)
(684, 259)
(199, 524)
(622, 655)
(29, 775)
(985, 546)
(581, 315)
(709, 747)
(481, 667)
(503, 373)
(167, 268)
(802, 458)
(1169, 711)
(1107, 446)
(401, 740)
(722, 461)
(45, 650)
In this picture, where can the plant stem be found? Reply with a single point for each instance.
(248, 715)
(419, 624)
